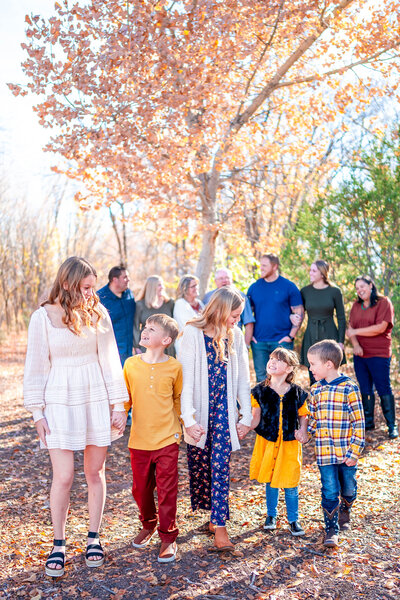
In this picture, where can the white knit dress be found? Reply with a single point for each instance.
(73, 381)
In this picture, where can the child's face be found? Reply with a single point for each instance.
(234, 317)
(278, 367)
(319, 369)
(154, 336)
(87, 286)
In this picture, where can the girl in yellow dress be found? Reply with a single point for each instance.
(280, 421)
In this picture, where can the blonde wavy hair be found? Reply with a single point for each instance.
(78, 313)
(215, 316)
(149, 292)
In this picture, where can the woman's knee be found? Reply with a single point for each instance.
(94, 475)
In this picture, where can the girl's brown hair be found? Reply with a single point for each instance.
(290, 358)
(66, 290)
(215, 316)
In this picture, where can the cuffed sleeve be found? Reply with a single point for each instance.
(244, 382)
(187, 357)
(37, 365)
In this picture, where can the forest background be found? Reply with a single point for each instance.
(194, 135)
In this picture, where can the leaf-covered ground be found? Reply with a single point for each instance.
(264, 565)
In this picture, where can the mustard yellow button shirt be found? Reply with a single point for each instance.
(154, 395)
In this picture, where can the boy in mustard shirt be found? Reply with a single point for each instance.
(154, 382)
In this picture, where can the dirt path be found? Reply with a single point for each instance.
(265, 565)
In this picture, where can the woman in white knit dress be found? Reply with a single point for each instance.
(74, 388)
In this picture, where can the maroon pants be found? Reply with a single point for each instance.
(151, 468)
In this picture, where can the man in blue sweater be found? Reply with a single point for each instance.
(278, 310)
(120, 303)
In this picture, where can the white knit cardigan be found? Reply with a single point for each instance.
(194, 397)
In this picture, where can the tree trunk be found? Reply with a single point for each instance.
(208, 194)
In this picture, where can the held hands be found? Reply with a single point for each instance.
(242, 430)
(301, 436)
(195, 432)
(42, 430)
(118, 420)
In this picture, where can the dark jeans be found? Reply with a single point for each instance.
(373, 371)
(261, 352)
(337, 481)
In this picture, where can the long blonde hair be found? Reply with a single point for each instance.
(215, 316)
(323, 268)
(66, 291)
(149, 291)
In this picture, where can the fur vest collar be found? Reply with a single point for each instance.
(269, 402)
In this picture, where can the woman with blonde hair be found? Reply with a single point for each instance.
(152, 300)
(187, 304)
(74, 388)
(215, 381)
(322, 300)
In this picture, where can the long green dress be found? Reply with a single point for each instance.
(320, 306)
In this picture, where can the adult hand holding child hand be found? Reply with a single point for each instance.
(195, 432)
(242, 430)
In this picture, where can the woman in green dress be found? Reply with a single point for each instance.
(321, 301)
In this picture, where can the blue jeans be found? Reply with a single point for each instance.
(291, 499)
(261, 352)
(337, 481)
(373, 370)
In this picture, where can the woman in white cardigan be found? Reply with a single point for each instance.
(215, 381)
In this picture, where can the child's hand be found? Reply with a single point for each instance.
(350, 462)
(118, 420)
(242, 430)
(195, 432)
(42, 430)
(301, 436)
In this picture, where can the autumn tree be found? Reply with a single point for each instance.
(161, 105)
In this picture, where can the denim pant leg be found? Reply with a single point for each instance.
(363, 375)
(330, 495)
(261, 354)
(348, 482)
(292, 504)
(379, 368)
(272, 496)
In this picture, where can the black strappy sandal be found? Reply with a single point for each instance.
(58, 558)
(94, 550)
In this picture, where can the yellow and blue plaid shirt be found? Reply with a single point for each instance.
(337, 420)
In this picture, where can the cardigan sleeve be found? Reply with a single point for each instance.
(243, 381)
(37, 365)
(187, 357)
(110, 364)
(183, 312)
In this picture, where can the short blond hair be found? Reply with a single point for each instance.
(167, 324)
(328, 350)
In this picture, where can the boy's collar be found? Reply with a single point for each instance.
(335, 381)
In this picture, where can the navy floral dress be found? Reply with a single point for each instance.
(209, 467)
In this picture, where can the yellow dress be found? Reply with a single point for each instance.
(277, 463)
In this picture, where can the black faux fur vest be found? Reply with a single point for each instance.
(269, 402)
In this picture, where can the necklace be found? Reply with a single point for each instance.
(365, 307)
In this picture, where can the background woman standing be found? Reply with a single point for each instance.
(321, 301)
(370, 332)
(152, 300)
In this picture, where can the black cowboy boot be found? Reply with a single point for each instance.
(332, 527)
(389, 412)
(344, 514)
(368, 402)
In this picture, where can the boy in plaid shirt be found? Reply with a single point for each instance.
(337, 420)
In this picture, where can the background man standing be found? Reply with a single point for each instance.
(120, 303)
(223, 277)
(273, 299)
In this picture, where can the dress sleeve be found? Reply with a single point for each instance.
(37, 366)
(340, 314)
(110, 364)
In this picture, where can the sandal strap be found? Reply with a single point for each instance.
(58, 542)
(56, 557)
(94, 550)
(93, 534)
